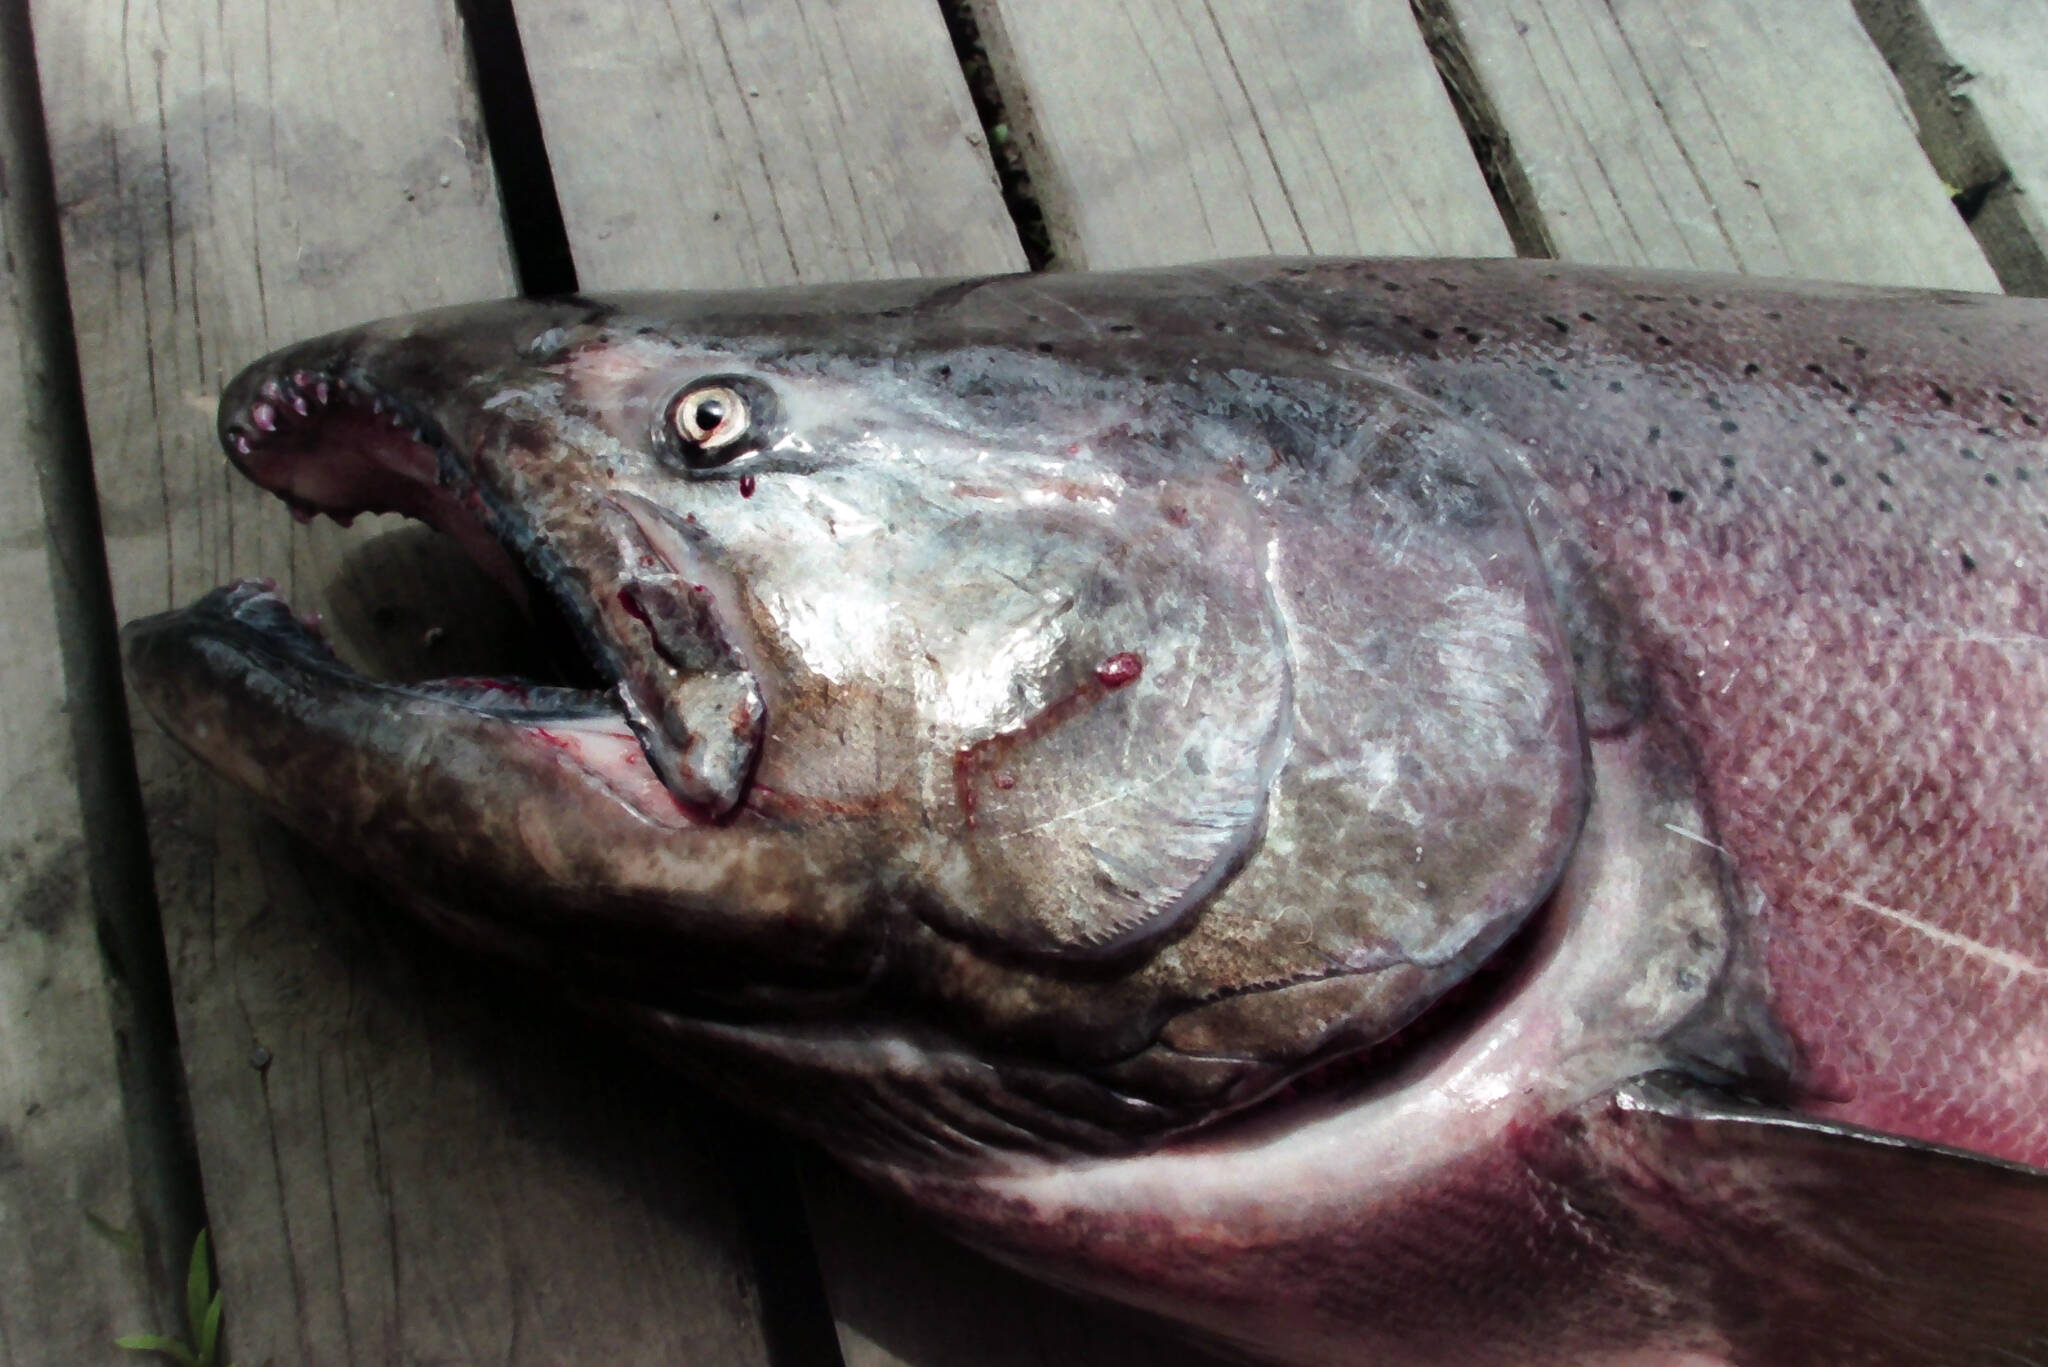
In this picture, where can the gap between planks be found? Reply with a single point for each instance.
(163, 1165)
(1972, 71)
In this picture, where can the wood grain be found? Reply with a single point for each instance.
(399, 1168)
(1178, 130)
(66, 1203)
(1973, 73)
(1742, 135)
(713, 142)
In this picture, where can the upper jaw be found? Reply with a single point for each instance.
(411, 417)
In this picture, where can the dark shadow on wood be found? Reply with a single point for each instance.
(1004, 143)
(519, 152)
(161, 1154)
(598, 1101)
(922, 1299)
(1954, 136)
(796, 1314)
(1485, 130)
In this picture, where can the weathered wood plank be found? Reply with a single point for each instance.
(1973, 71)
(1739, 135)
(394, 1173)
(751, 144)
(1164, 130)
(69, 1288)
(708, 142)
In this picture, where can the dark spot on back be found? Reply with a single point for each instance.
(1675, 495)
(1969, 564)
(1729, 425)
(1946, 397)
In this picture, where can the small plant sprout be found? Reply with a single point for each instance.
(202, 1319)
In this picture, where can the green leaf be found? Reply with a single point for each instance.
(209, 1333)
(158, 1343)
(127, 1240)
(198, 1286)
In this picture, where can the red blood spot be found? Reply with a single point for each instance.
(1177, 515)
(980, 759)
(506, 687)
(963, 786)
(1119, 669)
(746, 486)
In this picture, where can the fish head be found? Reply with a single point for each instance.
(1014, 734)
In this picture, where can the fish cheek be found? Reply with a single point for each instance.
(1102, 819)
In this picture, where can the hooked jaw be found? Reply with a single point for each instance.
(551, 820)
(339, 426)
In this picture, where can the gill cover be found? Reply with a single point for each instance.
(1360, 626)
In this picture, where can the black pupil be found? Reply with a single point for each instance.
(710, 413)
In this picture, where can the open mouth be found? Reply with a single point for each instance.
(337, 445)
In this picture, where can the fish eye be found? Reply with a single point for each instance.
(713, 421)
(711, 417)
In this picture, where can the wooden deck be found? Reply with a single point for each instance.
(399, 1165)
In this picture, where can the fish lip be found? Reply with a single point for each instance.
(423, 458)
(254, 618)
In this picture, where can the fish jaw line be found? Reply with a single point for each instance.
(210, 671)
(526, 827)
(325, 430)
